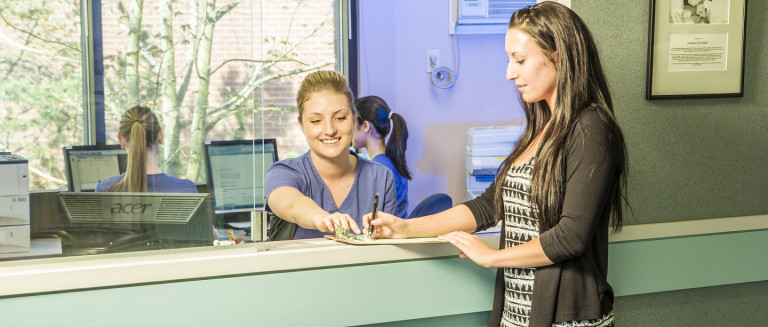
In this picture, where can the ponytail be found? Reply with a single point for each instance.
(139, 128)
(376, 111)
(397, 144)
(136, 174)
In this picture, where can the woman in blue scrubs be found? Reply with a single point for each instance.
(140, 134)
(376, 121)
(329, 186)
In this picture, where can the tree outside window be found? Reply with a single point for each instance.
(212, 70)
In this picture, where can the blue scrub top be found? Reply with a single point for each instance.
(401, 185)
(156, 183)
(370, 178)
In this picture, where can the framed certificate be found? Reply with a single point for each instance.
(696, 49)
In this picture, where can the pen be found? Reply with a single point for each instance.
(373, 214)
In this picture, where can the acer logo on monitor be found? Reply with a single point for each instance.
(130, 208)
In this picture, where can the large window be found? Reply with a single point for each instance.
(40, 85)
(211, 70)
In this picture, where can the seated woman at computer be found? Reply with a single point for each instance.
(141, 135)
(374, 122)
(329, 186)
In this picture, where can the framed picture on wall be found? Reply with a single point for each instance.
(696, 49)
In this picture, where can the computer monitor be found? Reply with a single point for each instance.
(87, 165)
(108, 222)
(236, 170)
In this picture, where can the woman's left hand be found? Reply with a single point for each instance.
(471, 247)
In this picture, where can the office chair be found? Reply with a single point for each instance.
(431, 205)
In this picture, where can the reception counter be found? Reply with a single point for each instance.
(319, 282)
(293, 283)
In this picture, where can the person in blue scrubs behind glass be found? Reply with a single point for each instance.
(329, 186)
(140, 134)
(376, 121)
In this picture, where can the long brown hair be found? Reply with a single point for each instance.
(581, 84)
(140, 129)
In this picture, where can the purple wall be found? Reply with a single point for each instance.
(394, 38)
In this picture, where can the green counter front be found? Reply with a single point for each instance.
(314, 282)
(319, 282)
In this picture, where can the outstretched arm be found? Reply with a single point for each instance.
(458, 218)
(291, 205)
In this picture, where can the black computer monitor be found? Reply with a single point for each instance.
(87, 165)
(236, 172)
(109, 222)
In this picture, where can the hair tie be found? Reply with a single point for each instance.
(390, 114)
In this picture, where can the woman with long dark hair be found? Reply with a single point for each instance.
(376, 121)
(559, 191)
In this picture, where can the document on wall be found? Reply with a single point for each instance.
(698, 52)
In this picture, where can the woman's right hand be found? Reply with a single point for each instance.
(328, 223)
(386, 225)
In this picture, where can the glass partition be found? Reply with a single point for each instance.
(212, 71)
(228, 72)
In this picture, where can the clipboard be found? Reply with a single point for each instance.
(388, 241)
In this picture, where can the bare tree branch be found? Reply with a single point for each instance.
(251, 60)
(243, 95)
(40, 52)
(191, 55)
(45, 176)
(290, 49)
(224, 10)
(12, 65)
(35, 36)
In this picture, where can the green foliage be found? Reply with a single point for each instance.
(40, 96)
(41, 105)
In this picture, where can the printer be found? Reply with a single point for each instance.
(487, 147)
(14, 203)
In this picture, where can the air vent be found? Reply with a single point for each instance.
(484, 16)
(83, 208)
(176, 210)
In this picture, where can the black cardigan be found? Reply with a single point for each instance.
(576, 286)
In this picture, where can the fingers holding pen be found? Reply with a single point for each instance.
(368, 220)
(387, 226)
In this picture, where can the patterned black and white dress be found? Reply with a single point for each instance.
(521, 227)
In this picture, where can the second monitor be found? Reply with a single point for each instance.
(236, 172)
(87, 165)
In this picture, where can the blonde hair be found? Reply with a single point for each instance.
(323, 80)
(140, 129)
